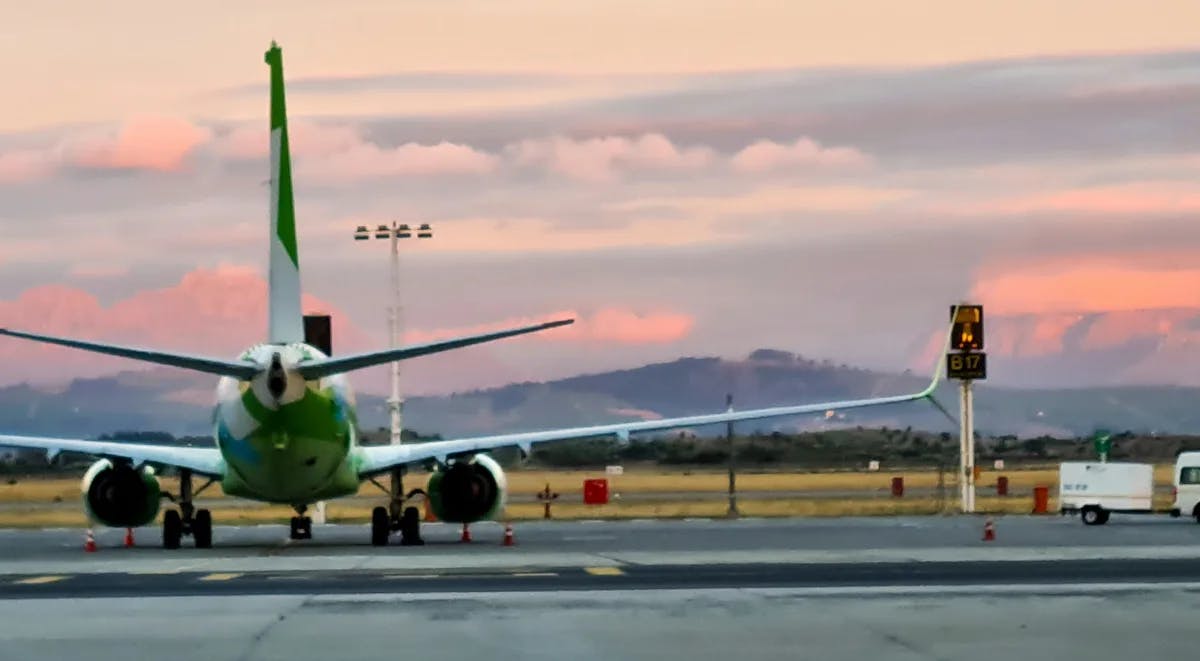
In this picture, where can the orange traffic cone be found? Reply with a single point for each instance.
(508, 534)
(90, 545)
(429, 517)
(466, 536)
(989, 531)
(129, 538)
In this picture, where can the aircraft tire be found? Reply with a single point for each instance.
(172, 529)
(381, 526)
(202, 529)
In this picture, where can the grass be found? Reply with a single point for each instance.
(43, 490)
(872, 502)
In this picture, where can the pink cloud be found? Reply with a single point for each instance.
(368, 161)
(602, 159)
(143, 143)
(25, 164)
(336, 153)
(1127, 199)
(607, 325)
(766, 156)
(217, 311)
(304, 139)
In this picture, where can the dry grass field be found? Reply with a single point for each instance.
(874, 499)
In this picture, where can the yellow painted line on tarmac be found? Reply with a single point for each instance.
(604, 571)
(39, 580)
(220, 576)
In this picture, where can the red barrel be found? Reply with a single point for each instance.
(897, 486)
(595, 492)
(1041, 500)
(1002, 486)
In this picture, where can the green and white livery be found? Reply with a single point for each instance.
(285, 426)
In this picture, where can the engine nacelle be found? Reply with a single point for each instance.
(119, 495)
(468, 491)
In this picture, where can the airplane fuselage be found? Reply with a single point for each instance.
(284, 439)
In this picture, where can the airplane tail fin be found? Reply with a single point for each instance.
(286, 321)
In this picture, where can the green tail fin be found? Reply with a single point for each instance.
(286, 321)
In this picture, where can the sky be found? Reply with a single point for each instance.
(684, 179)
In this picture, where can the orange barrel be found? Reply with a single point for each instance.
(1002, 486)
(1041, 500)
(897, 486)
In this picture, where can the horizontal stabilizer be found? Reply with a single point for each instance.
(321, 368)
(237, 369)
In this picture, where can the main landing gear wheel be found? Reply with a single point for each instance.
(185, 521)
(172, 529)
(381, 526)
(202, 529)
(410, 527)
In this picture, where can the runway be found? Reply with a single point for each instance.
(895, 588)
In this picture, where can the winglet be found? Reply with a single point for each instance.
(940, 365)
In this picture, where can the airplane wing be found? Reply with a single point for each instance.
(204, 461)
(373, 460)
(377, 459)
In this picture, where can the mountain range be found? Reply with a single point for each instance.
(180, 402)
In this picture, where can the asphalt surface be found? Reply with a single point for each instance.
(650, 536)
(893, 588)
(625, 577)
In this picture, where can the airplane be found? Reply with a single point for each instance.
(285, 426)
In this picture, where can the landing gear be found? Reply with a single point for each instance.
(301, 525)
(187, 520)
(396, 517)
(381, 526)
(172, 529)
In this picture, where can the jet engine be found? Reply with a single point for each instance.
(119, 495)
(468, 491)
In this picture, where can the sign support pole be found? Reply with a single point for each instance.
(967, 445)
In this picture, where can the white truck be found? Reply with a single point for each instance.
(1096, 489)
(1187, 485)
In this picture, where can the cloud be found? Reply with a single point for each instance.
(1079, 284)
(1132, 198)
(215, 311)
(25, 165)
(145, 143)
(142, 143)
(766, 156)
(603, 159)
(612, 325)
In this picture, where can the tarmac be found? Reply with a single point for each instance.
(895, 588)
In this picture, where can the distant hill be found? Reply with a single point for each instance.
(180, 402)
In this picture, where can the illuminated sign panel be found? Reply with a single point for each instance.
(967, 332)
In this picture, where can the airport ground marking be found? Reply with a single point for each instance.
(40, 580)
(604, 571)
(533, 574)
(221, 576)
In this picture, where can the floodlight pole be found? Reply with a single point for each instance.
(396, 401)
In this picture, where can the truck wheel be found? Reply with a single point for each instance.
(1104, 514)
(1196, 513)
(1092, 515)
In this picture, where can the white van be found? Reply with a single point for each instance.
(1097, 489)
(1187, 485)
